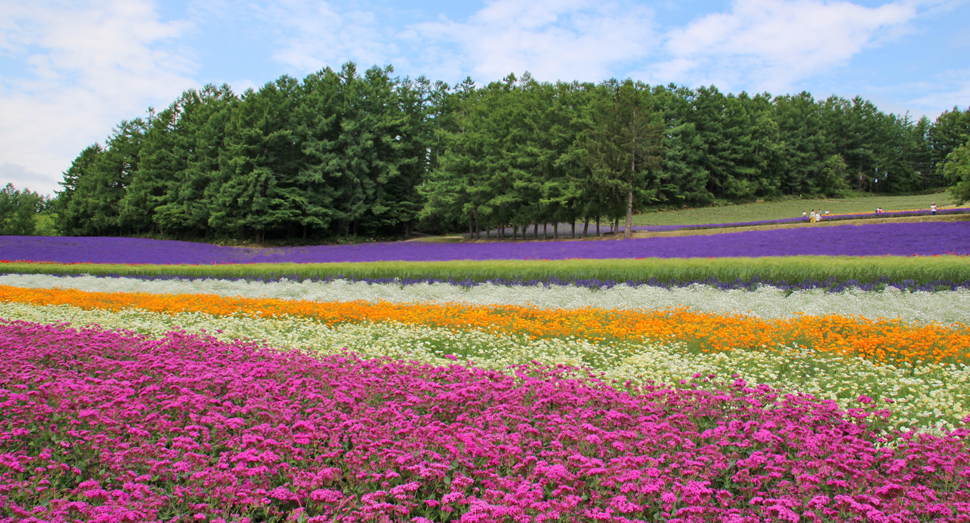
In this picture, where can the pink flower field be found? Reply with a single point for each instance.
(106, 426)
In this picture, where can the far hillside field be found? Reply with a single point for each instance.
(865, 206)
(753, 212)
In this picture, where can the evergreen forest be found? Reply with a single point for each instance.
(345, 153)
(19, 210)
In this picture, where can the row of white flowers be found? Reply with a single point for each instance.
(766, 302)
(928, 397)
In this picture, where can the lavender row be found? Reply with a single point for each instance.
(903, 239)
(829, 285)
(110, 426)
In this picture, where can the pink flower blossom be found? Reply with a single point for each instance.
(112, 426)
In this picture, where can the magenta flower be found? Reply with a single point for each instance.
(112, 426)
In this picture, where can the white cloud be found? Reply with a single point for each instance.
(313, 35)
(948, 89)
(86, 66)
(770, 44)
(552, 39)
(23, 178)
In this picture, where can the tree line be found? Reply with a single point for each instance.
(19, 210)
(345, 153)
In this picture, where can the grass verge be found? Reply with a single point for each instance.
(779, 210)
(801, 271)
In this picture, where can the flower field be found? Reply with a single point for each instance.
(187, 427)
(179, 398)
(898, 239)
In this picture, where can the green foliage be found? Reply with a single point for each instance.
(180, 163)
(505, 157)
(252, 193)
(97, 183)
(833, 175)
(45, 223)
(950, 131)
(794, 269)
(344, 153)
(622, 146)
(72, 201)
(18, 210)
(957, 171)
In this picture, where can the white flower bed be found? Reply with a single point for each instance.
(766, 302)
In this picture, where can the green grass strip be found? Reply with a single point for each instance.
(941, 270)
(790, 208)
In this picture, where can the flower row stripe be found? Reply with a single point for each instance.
(109, 426)
(764, 302)
(879, 340)
(924, 396)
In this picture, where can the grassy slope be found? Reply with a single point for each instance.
(789, 209)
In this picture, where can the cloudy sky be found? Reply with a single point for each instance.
(70, 70)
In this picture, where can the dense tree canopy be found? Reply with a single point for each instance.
(344, 153)
(18, 209)
(957, 171)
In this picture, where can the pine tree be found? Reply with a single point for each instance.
(950, 131)
(623, 144)
(319, 126)
(187, 145)
(957, 172)
(685, 179)
(447, 191)
(257, 180)
(17, 211)
(160, 160)
(98, 181)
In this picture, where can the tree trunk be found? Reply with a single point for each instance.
(597, 226)
(535, 230)
(586, 227)
(515, 231)
(545, 228)
(555, 230)
(628, 232)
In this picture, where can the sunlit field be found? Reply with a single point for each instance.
(754, 212)
(190, 386)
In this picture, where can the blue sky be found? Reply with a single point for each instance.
(70, 70)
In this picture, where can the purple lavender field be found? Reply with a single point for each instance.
(903, 239)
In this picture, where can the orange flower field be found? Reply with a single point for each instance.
(881, 340)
